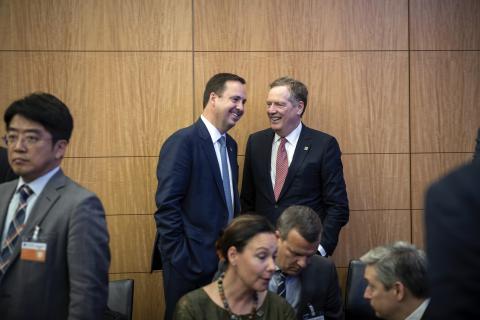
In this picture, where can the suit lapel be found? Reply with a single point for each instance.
(5, 199)
(209, 151)
(301, 152)
(266, 153)
(42, 206)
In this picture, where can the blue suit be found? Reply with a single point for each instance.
(191, 210)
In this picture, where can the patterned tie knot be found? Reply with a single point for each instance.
(25, 192)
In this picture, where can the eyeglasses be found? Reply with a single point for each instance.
(29, 139)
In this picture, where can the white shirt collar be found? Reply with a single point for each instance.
(38, 184)
(212, 130)
(418, 313)
(293, 136)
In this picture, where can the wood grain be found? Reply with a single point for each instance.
(445, 97)
(368, 229)
(289, 25)
(123, 104)
(92, 25)
(445, 24)
(360, 98)
(131, 242)
(126, 185)
(427, 168)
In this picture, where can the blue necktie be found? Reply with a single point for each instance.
(226, 177)
(282, 288)
(15, 229)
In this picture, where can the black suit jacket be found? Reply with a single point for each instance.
(452, 213)
(6, 173)
(320, 288)
(314, 179)
(191, 206)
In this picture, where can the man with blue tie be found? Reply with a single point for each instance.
(197, 190)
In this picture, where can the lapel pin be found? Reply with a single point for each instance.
(305, 148)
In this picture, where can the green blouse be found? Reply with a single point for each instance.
(197, 305)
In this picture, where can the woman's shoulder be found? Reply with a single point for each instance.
(275, 307)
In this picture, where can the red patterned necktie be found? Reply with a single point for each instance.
(15, 229)
(281, 168)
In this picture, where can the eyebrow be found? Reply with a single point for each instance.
(37, 131)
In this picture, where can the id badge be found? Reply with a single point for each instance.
(34, 250)
(312, 314)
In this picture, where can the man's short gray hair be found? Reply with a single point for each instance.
(402, 262)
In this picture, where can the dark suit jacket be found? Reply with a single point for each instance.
(6, 173)
(73, 281)
(320, 288)
(452, 213)
(476, 154)
(192, 210)
(314, 179)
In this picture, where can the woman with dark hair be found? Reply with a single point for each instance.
(248, 247)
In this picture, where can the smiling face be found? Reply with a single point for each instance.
(228, 107)
(32, 154)
(283, 112)
(294, 252)
(255, 264)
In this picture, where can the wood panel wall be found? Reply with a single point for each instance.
(396, 81)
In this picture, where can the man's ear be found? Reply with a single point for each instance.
(399, 290)
(300, 107)
(60, 148)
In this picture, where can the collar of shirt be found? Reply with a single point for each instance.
(212, 130)
(38, 184)
(292, 138)
(418, 313)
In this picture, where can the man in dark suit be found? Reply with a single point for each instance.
(54, 254)
(6, 173)
(397, 285)
(452, 220)
(476, 154)
(308, 281)
(291, 164)
(197, 190)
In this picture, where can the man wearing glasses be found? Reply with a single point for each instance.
(54, 242)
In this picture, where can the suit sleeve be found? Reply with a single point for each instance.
(335, 199)
(173, 173)
(88, 257)
(333, 305)
(248, 185)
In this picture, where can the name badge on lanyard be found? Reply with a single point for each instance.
(34, 250)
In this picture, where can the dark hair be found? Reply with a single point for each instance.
(239, 232)
(402, 262)
(45, 109)
(303, 219)
(298, 91)
(217, 84)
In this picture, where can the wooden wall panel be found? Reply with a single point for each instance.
(361, 98)
(289, 25)
(126, 185)
(445, 96)
(131, 242)
(96, 25)
(428, 168)
(445, 24)
(148, 299)
(418, 229)
(115, 98)
(377, 181)
(368, 229)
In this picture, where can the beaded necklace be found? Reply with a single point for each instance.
(233, 316)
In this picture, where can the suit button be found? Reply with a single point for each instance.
(276, 206)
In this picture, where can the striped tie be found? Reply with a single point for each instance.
(282, 288)
(281, 168)
(15, 229)
(226, 176)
